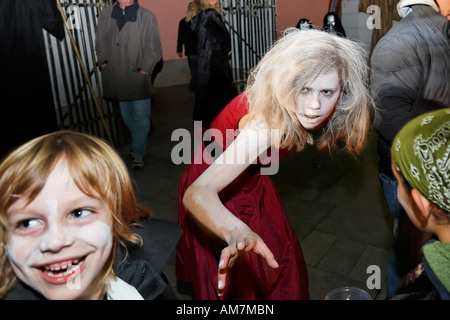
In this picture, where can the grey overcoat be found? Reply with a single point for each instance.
(137, 46)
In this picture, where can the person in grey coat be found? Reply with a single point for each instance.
(410, 76)
(128, 47)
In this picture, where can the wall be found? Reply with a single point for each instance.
(290, 11)
(169, 12)
(175, 70)
(355, 23)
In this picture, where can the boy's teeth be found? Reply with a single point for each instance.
(62, 267)
(70, 270)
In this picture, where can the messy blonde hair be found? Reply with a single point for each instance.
(200, 5)
(293, 62)
(96, 169)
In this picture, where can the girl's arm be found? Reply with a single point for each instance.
(202, 199)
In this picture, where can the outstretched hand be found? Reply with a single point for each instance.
(245, 242)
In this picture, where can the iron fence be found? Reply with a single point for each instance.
(76, 79)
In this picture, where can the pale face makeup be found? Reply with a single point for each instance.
(304, 26)
(317, 100)
(59, 243)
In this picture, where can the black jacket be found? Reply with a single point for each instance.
(27, 110)
(186, 37)
(215, 86)
(410, 73)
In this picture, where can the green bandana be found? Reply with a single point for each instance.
(421, 152)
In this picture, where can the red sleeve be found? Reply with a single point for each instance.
(227, 122)
(228, 119)
(230, 115)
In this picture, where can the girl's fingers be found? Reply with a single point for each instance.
(230, 253)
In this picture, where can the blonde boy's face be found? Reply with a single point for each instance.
(59, 243)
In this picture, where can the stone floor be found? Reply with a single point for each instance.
(334, 202)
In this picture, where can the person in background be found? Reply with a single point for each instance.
(332, 23)
(31, 110)
(421, 165)
(215, 85)
(410, 71)
(128, 48)
(304, 24)
(188, 39)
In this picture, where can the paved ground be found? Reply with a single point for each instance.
(334, 202)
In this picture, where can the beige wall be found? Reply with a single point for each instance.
(290, 11)
(169, 12)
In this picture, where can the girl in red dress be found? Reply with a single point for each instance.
(310, 88)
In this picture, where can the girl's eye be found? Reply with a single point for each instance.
(327, 92)
(28, 223)
(81, 212)
(305, 90)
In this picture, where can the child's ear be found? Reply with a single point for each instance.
(422, 203)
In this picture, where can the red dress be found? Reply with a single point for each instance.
(253, 199)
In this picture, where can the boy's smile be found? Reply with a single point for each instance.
(61, 238)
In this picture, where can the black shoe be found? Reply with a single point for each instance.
(138, 163)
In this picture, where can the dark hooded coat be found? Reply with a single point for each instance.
(215, 86)
(127, 47)
(27, 109)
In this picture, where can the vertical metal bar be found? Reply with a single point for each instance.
(274, 21)
(84, 70)
(82, 93)
(262, 31)
(242, 60)
(71, 77)
(254, 33)
(91, 22)
(62, 66)
(55, 77)
(90, 109)
(78, 100)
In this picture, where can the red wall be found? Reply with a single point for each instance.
(290, 11)
(169, 13)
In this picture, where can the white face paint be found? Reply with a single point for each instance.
(317, 101)
(62, 237)
(305, 26)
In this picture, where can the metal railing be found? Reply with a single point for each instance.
(76, 79)
(252, 25)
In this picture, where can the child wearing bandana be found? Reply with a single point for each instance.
(421, 165)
